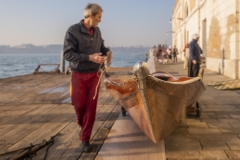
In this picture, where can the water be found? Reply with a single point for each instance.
(20, 64)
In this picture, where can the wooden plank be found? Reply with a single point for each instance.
(7, 156)
(101, 135)
(66, 100)
(62, 142)
(113, 102)
(15, 111)
(46, 131)
(73, 151)
(25, 126)
(6, 107)
(56, 120)
(20, 79)
(127, 141)
(37, 83)
(103, 98)
(59, 149)
(28, 92)
(103, 111)
(11, 125)
(109, 99)
(117, 69)
(101, 117)
(20, 84)
(52, 95)
(16, 107)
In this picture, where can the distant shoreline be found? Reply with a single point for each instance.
(31, 53)
(31, 49)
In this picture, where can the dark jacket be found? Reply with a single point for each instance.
(175, 52)
(79, 44)
(194, 50)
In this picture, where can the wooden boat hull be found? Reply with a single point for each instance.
(157, 106)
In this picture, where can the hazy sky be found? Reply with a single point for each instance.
(124, 22)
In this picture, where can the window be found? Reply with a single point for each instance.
(186, 10)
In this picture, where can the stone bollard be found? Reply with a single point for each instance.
(62, 64)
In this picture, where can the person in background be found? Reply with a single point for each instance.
(194, 58)
(159, 55)
(84, 49)
(164, 55)
(186, 56)
(169, 52)
(155, 52)
(175, 52)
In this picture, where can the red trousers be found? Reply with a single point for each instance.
(83, 90)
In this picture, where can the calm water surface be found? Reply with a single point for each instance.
(21, 64)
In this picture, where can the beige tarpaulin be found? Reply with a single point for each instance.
(224, 85)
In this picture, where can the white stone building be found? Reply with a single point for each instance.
(217, 22)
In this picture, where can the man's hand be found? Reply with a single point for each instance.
(194, 61)
(109, 59)
(109, 54)
(97, 58)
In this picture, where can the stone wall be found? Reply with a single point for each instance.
(192, 4)
(221, 37)
(217, 23)
(238, 36)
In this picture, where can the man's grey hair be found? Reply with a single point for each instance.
(91, 8)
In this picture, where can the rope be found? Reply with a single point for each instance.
(108, 63)
(49, 143)
(99, 70)
(31, 151)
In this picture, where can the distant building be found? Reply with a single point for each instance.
(217, 22)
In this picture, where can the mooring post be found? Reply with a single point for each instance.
(62, 65)
(146, 56)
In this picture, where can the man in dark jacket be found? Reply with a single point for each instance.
(175, 52)
(84, 48)
(194, 59)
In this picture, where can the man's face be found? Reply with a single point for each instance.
(96, 19)
(197, 38)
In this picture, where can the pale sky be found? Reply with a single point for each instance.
(124, 22)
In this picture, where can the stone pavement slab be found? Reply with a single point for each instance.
(197, 125)
(214, 145)
(220, 125)
(211, 155)
(204, 131)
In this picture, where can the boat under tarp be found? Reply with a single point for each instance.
(157, 102)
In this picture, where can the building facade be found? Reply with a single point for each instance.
(217, 23)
